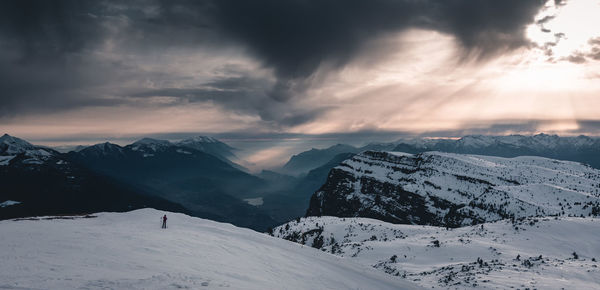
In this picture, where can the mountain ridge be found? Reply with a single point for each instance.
(448, 189)
(582, 148)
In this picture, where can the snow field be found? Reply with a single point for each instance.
(131, 251)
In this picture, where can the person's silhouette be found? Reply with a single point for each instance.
(164, 222)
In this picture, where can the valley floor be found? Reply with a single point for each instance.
(131, 251)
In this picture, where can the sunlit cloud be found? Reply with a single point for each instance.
(564, 31)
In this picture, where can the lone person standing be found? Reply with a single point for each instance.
(164, 222)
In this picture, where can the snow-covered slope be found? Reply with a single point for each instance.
(448, 189)
(553, 252)
(11, 146)
(130, 251)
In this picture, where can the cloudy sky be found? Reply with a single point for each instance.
(79, 71)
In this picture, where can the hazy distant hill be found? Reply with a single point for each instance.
(191, 177)
(581, 149)
(311, 159)
(293, 193)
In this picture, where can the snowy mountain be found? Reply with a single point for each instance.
(447, 189)
(529, 253)
(107, 176)
(211, 146)
(206, 185)
(581, 148)
(130, 251)
(40, 181)
(11, 147)
(149, 145)
(103, 150)
(69, 148)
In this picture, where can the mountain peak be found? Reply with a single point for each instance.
(11, 146)
(9, 138)
(149, 141)
(150, 144)
(15, 145)
(102, 149)
(209, 145)
(105, 146)
(202, 139)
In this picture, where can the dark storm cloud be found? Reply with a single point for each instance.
(295, 37)
(46, 30)
(576, 58)
(595, 50)
(545, 19)
(582, 57)
(52, 51)
(242, 94)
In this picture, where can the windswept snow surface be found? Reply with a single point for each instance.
(131, 251)
(481, 256)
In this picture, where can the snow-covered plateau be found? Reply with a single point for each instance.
(131, 251)
(529, 253)
(448, 189)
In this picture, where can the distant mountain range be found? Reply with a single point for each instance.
(437, 212)
(197, 175)
(448, 189)
(40, 181)
(581, 149)
(184, 173)
(147, 173)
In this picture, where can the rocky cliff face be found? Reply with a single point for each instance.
(447, 189)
